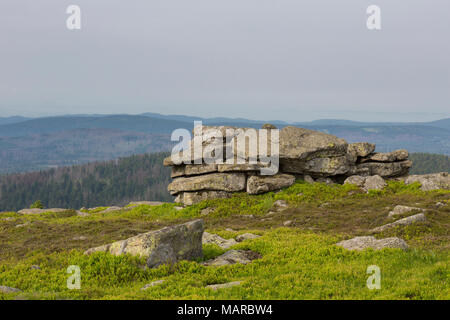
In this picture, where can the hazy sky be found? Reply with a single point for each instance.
(292, 60)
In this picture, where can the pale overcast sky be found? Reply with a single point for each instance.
(293, 60)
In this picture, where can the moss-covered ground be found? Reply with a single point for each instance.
(299, 258)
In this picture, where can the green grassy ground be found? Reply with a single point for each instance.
(298, 262)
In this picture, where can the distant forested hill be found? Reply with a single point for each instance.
(429, 163)
(115, 182)
(43, 143)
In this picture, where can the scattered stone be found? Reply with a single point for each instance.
(111, 209)
(82, 214)
(152, 284)
(168, 245)
(233, 257)
(262, 184)
(8, 219)
(287, 223)
(246, 236)
(361, 243)
(190, 198)
(209, 238)
(35, 267)
(7, 290)
(207, 211)
(79, 238)
(39, 211)
(223, 285)
(374, 183)
(356, 180)
(229, 229)
(402, 222)
(431, 181)
(23, 225)
(280, 205)
(439, 204)
(147, 203)
(398, 210)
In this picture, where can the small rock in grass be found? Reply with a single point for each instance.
(79, 238)
(439, 204)
(401, 210)
(402, 222)
(111, 209)
(374, 183)
(23, 225)
(209, 238)
(356, 180)
(246, 236)
(233, 257)
(207, 211)
(279, 205)
(287, 223)
(6, 289)
(223, 285)
(361, 243)
(152, 284)
(35, 267)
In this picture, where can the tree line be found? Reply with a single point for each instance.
(117, 182)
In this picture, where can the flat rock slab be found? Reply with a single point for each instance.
(209, 238)
(224, 285)
(397, 155)
(147, 203)
(383, 169)
(111, 209)
(233, 257)
(168, 245)
(246, 236)
(262, 184)
(361, 243)
(229, 182)
(402, 222)
(190, 198)
(38, 211)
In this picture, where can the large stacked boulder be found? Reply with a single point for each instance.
(302, 153)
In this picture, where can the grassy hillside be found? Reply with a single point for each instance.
(300, 261)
